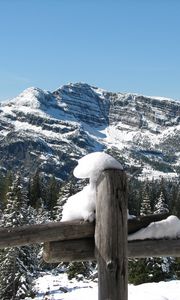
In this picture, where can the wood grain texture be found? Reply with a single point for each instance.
(69, 250)
(53, 231)
(154, 248)
(83, 249)
(111, 235)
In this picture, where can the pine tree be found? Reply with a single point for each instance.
(146, 204)
(42, 215)
(17, 263)
(1, 190)
(176, 207)
(173, 196)
(51, 196)
(161, 206)
(5, 182)
(151, 269)
(137, 268)
(35, 190)
(153, 191)
(79, 270)
(134, 196)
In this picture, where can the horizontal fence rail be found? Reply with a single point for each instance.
(83, 249)
(60, 231)
(53, 231)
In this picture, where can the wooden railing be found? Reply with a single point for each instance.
(104, 241)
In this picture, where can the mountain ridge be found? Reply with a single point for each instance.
(51, 130)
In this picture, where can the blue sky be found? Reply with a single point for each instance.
(125, 46)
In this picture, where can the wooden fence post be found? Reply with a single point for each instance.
(111, 235)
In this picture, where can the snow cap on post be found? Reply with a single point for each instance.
(91, 165)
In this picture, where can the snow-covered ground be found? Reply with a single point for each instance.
(58, 287)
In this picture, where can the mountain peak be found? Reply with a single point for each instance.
(51, 130)
(85, 102)
(31, 97)
(74, 86)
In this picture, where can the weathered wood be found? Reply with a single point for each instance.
(53, 231)
(70, 250)
(154, 248)
(83, 249)
(111, 235)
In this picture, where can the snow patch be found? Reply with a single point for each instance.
(91, 165)
(30, 97)
(168, 229)
(83, 204)
(149, 173)
(59, 287)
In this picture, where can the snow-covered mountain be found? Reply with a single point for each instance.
(51, 130)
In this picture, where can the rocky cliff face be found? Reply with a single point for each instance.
(51, 130)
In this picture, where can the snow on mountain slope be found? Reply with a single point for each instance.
(31, 97)
(51, 130)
